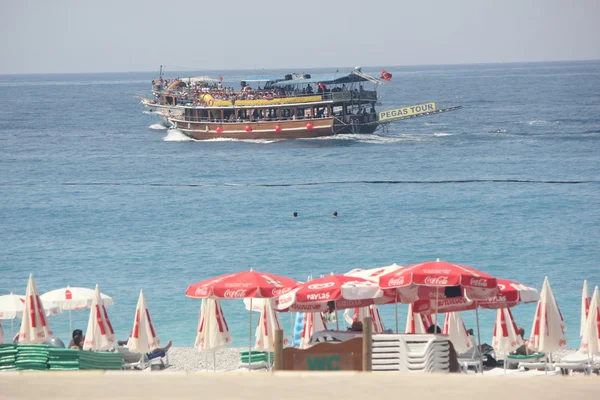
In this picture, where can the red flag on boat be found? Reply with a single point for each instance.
(385, 75)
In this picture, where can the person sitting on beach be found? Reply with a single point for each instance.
(357, 326)
(523, 350)
(453, 356)
(77, 340)
(158, 352)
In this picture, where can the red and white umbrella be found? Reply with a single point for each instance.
(100, 334)
(548, 330)
(590, 341)
(506, 337)
(585, 307)
(333, 288)
(73, 298)
(213, 332)
(454, 327)
(373, 274)
(143, 338)
(34, 326)
(246, 284)
(268, 323)
(438, 275)
(417, 323)
(359, 314)
(313, 322)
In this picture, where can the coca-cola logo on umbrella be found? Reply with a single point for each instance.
(478, 282)
(280, 291)
(201, 291)
(235, 294)
(436, 280)
(318, 286)
(396, 281)
(68, 295)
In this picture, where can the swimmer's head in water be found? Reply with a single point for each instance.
(295, 214)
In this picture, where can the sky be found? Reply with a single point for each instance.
(63, 36)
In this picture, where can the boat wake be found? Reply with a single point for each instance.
(157, 127)
(259, 141)
(380, 139)
(175, 135)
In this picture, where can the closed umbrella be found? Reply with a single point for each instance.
(1, 335)
(548, 330)
(268, 323)
(454, 327)
(213, 332)
(417, 323)
(100, 334)
(585, 307)
(506, 337)
(143, 338)
(34, 326)
(359, 314)
(590, 341)
(313, 322)
(74, 298)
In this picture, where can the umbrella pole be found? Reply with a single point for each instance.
(437, 305)
(250, 339)
(337, 324)
(396, 307)
(12, 328)
(70, 323)
(478, 338)
(292, 325)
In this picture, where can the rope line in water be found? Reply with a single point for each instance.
(377, 182)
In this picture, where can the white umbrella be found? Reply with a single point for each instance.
(548, 330)
(454, 327)
(12, 306)
(74, 298)
(590, 341)
(585, 307)
(34, 327)
(213, 332)
(506, 334)
(143, 338)
(268, 323)
(417, 323)
(100, 334)
(313, 322)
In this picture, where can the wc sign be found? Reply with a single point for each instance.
(324, 363)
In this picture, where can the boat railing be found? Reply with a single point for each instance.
(240, 120)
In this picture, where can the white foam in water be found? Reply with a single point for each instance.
(369, 138)
(157, 127)
(175, 135)
(542, 122)
(259, 141)
(442, 134)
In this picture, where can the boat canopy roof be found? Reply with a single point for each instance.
(354, 76)
(200, 79)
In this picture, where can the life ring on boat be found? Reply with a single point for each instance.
(210, 102)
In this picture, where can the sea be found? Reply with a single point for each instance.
(94, 191)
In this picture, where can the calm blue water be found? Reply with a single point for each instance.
(90, 194)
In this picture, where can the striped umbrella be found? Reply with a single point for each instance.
(143, 338)
(548, 330)
(34, 326)
(416, 322)
(585, 307)
(454, 327)
(590, 341)
(359, 314)
(313, 322)
(506, 334)
(268, 323)
(100, 334)
(213, 332)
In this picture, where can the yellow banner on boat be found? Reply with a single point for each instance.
(405, 112)
(264, 102)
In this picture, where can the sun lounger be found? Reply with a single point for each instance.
(532, 361)
(141, 361)
(578, 362)
(472, 358)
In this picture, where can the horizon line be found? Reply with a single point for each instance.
(305, 68)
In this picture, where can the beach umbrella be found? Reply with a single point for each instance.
(246, 284)
(548, 330)
(74, 298)
(1, 335)
(13, 305)
(100, 334)
(417, 323)
(590, 341)
(506, 337)
(268, 323)
(312, 322)
(454, 327)
(213, 332)
(143, 338)
(34, 326)
(373, 274)
(585, 307)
